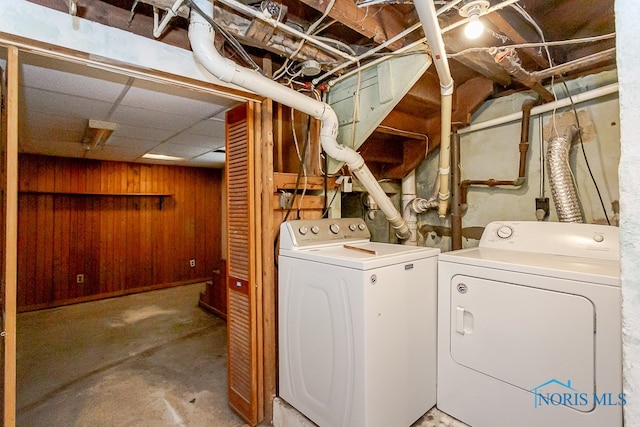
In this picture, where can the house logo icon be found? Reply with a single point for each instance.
(541, 398)
(556, 393)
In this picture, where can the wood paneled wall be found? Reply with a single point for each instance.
(122, 243)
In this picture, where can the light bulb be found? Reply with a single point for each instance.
(474, 28)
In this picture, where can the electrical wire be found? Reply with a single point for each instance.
(280, 72)
(584, 153)
(528, 45)
(300, 169)
(227, 35)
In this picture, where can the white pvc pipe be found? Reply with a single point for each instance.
(171, 12)
(544, 108)
(427, 13)
(408, 195)
(201, 36)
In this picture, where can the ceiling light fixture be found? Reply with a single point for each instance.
(162, 157)
(97, 133)
(473, 10)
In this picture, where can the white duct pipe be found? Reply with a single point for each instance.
(201, 36)
(429, 19)
(544, 108)
(408, 195)
(171, 12)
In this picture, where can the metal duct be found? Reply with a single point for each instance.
(565, 197)
(201, 36)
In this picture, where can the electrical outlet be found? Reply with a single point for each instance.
(80, 278)
(192, 263)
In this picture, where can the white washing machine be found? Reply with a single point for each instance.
(529, 327)
(357, 325)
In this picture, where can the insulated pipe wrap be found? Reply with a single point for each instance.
(565, 197)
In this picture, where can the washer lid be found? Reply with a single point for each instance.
(593, 270)
(362, 255)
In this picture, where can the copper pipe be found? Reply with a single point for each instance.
(523, 147)
(456, 209)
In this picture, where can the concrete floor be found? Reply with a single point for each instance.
(150, 359)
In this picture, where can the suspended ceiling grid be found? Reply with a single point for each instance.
(57, 99)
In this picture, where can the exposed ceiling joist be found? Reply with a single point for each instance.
(518, 33)
(379, 23)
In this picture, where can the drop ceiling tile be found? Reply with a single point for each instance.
(107, 152)
(141, 145)
(50, 134)
(177, 150)
(194, 140)
(174, 100)
(140, 132)
(216, 160)
(43, 101)
(63, 149)
(209, 127)
(71, 79)
(151, 119)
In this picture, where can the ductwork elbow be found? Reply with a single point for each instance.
(201, 36)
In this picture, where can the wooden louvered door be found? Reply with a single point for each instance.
(243, 324)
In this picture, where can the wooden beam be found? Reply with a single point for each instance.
(469, 97)
(11, 239)
(287, 181)
(104, 13)
(382, 151)
(406, 121)
(518, 35)
(379, 23)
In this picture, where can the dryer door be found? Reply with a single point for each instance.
(535, 339)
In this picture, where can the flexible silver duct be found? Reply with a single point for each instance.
(201, 36)
(563, 190)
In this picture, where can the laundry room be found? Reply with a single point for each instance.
(353, 213)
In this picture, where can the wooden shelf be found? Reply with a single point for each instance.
(160, 196)
(88, 193)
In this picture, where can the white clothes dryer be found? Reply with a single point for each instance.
(529, 327)
(357, 325)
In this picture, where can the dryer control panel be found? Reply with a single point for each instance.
(570, 239)
(308, 232)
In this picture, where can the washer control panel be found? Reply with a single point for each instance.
(578, 240)
(307, 232)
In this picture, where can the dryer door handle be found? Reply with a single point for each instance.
(464, 321)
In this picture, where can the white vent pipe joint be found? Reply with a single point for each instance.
(427, 13)
(201, 36)
(169, 15)
(409, 215)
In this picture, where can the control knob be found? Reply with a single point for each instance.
(303, 230)
(315, 229)
(334, 228)
(504, 232)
